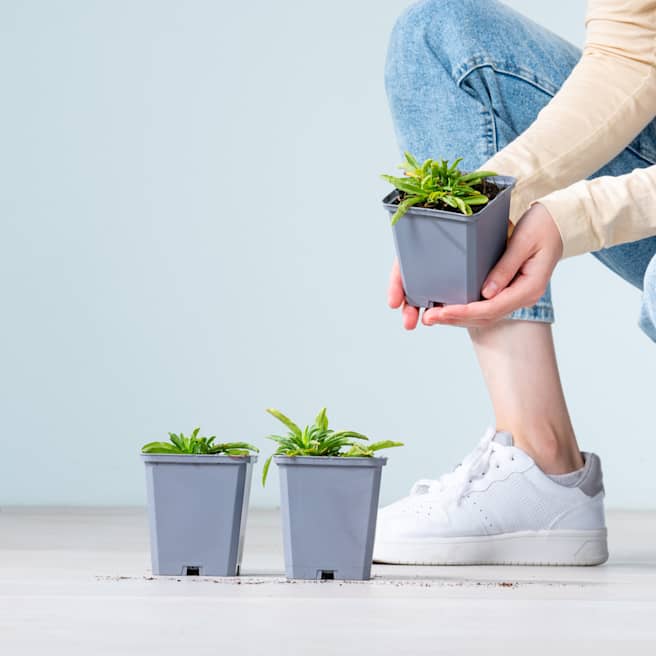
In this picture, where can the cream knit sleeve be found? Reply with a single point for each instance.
(607, 100)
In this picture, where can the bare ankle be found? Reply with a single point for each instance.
(555, 451)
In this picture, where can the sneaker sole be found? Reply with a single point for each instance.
(548, 547)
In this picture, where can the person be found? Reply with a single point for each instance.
(475, 78)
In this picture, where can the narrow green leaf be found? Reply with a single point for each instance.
(461, 205)
(226, 447)
(383, 444)
(265, 470)
(453, 168)
(405, 205)
(285, 420)
(477, 200)
(411, 160)
(322, 419)
(403, 184)
(477, 175)
(241, 445)
(350, 435)
(357, 451)
(159, 447)
(277, 438)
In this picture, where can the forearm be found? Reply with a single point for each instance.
(594, 214)
(607, 100)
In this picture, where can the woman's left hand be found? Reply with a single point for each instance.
(518, 280)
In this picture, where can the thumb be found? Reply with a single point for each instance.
(506, 268)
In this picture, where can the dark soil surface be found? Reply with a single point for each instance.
(486, 187)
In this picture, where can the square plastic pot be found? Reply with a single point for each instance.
(445, 257)
(197, 507)
(329, 507)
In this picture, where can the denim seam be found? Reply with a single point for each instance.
(490, 129)
(476, 62)
(637, 153)
(490, 134)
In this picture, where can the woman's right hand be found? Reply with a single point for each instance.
(396, 299)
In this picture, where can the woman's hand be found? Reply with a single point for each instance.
(396, 299)
(518, 280)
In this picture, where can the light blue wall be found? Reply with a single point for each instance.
(191, 232)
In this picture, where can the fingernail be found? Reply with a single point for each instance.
(490, 289)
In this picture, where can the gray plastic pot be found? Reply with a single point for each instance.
(329, 508)
(445, 257)
(197, 508)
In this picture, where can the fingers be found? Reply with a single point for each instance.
(518, 280)
(396, 299)
(523, 292)
(517, 252)
(395, 293)
(410, 316)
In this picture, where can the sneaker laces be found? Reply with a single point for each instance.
(453, 485)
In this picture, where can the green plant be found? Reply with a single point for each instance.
(193, 444)
(436, 183)
(319, 440)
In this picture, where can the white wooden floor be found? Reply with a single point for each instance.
(76, 581)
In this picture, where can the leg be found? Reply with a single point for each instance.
(636, 262)
(518, 362)
(648, 310)
(464, 77)
(465, 82)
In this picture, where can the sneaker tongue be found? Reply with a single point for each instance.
(501, 437)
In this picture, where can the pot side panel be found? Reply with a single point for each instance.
(195, 514)
(329, 520)
(433, 259)
(489, 235)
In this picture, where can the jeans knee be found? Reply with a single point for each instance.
(431, 18)
(427, 31)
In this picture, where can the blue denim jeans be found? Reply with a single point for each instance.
(465, 77)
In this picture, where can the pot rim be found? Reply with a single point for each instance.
(331, 461)
(198, 458)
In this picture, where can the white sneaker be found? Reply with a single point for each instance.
(498, 508)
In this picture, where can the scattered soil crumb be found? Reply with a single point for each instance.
(374, 581)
